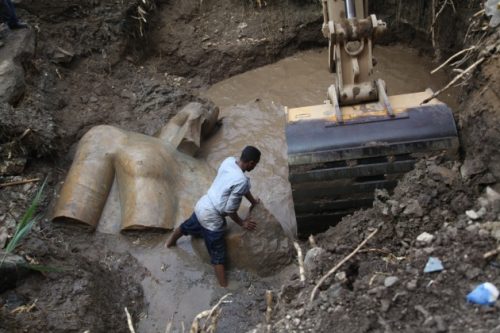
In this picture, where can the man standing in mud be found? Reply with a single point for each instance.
(222, 199)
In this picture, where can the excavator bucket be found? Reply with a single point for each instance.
(335, 166)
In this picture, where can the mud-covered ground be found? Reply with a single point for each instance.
(92, 66)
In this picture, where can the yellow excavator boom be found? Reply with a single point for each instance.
(359, 139)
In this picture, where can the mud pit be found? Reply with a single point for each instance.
(105, 83)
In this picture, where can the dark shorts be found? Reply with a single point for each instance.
(214, 240)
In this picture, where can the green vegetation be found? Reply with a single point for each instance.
(24, 227)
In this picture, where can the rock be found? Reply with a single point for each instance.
(471, 167)
(341, 276)
(460, 202)
(390, 281)
(495, 233)
(472, 214)
(11, 271)
(262, 251)
(411, 285)
(385, 304)
(492, 195)
(4, 235)
(19, 45)
(289, 291)
(312, 259)
(12, 83)
(413, 208)
(491, 9)
(61, 56)
(451, 232)
(483, 233)
(425, 238)
(473, 273)
(334, 292)
(428, 250)
(440, 324)
(395, 207)
(378, 291)
(437, 172)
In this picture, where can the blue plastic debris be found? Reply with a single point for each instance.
(433, 265)
(484, 294)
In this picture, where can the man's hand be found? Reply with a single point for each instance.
(255, 203)
(249, 224)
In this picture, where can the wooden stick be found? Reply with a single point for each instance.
(26, 132)
(195, 326)
(451, 58)
(376, 250)
(334, 269)
(216, 306)
(129, 321)
(168, 328)
(452, 82)
(312, 241)
(301, 261)
(20, 182)
(269, 306)
(491, 253)
(433, 6)
(482, 11)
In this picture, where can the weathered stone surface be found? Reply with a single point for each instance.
(390, 281)
(12, 83)
(425, 238)
(413, 208)
(262, 251)
(312, 259)
(19, 46)
(11, 270)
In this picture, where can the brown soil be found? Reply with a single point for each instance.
(117, 77)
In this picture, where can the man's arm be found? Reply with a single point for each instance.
(254, 201)
(245, 224)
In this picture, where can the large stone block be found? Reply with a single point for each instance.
(262, 251)
(12, 83)
(19, 46)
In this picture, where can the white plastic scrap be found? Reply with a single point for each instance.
(484, 294)
(433, 265)
(492, 8)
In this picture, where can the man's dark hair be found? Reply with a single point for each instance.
(250, 153)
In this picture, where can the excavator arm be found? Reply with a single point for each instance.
(359, 139)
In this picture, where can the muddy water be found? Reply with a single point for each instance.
(178, 284)
(304, 78)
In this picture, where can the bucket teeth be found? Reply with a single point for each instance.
(334, 170)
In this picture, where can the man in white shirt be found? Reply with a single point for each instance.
(222, 199)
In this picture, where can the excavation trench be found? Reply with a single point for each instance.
(178, 284)
(105, 271)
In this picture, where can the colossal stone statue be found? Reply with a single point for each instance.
(121, 180)
(150, 172)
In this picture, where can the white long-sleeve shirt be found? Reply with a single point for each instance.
(224, 195)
